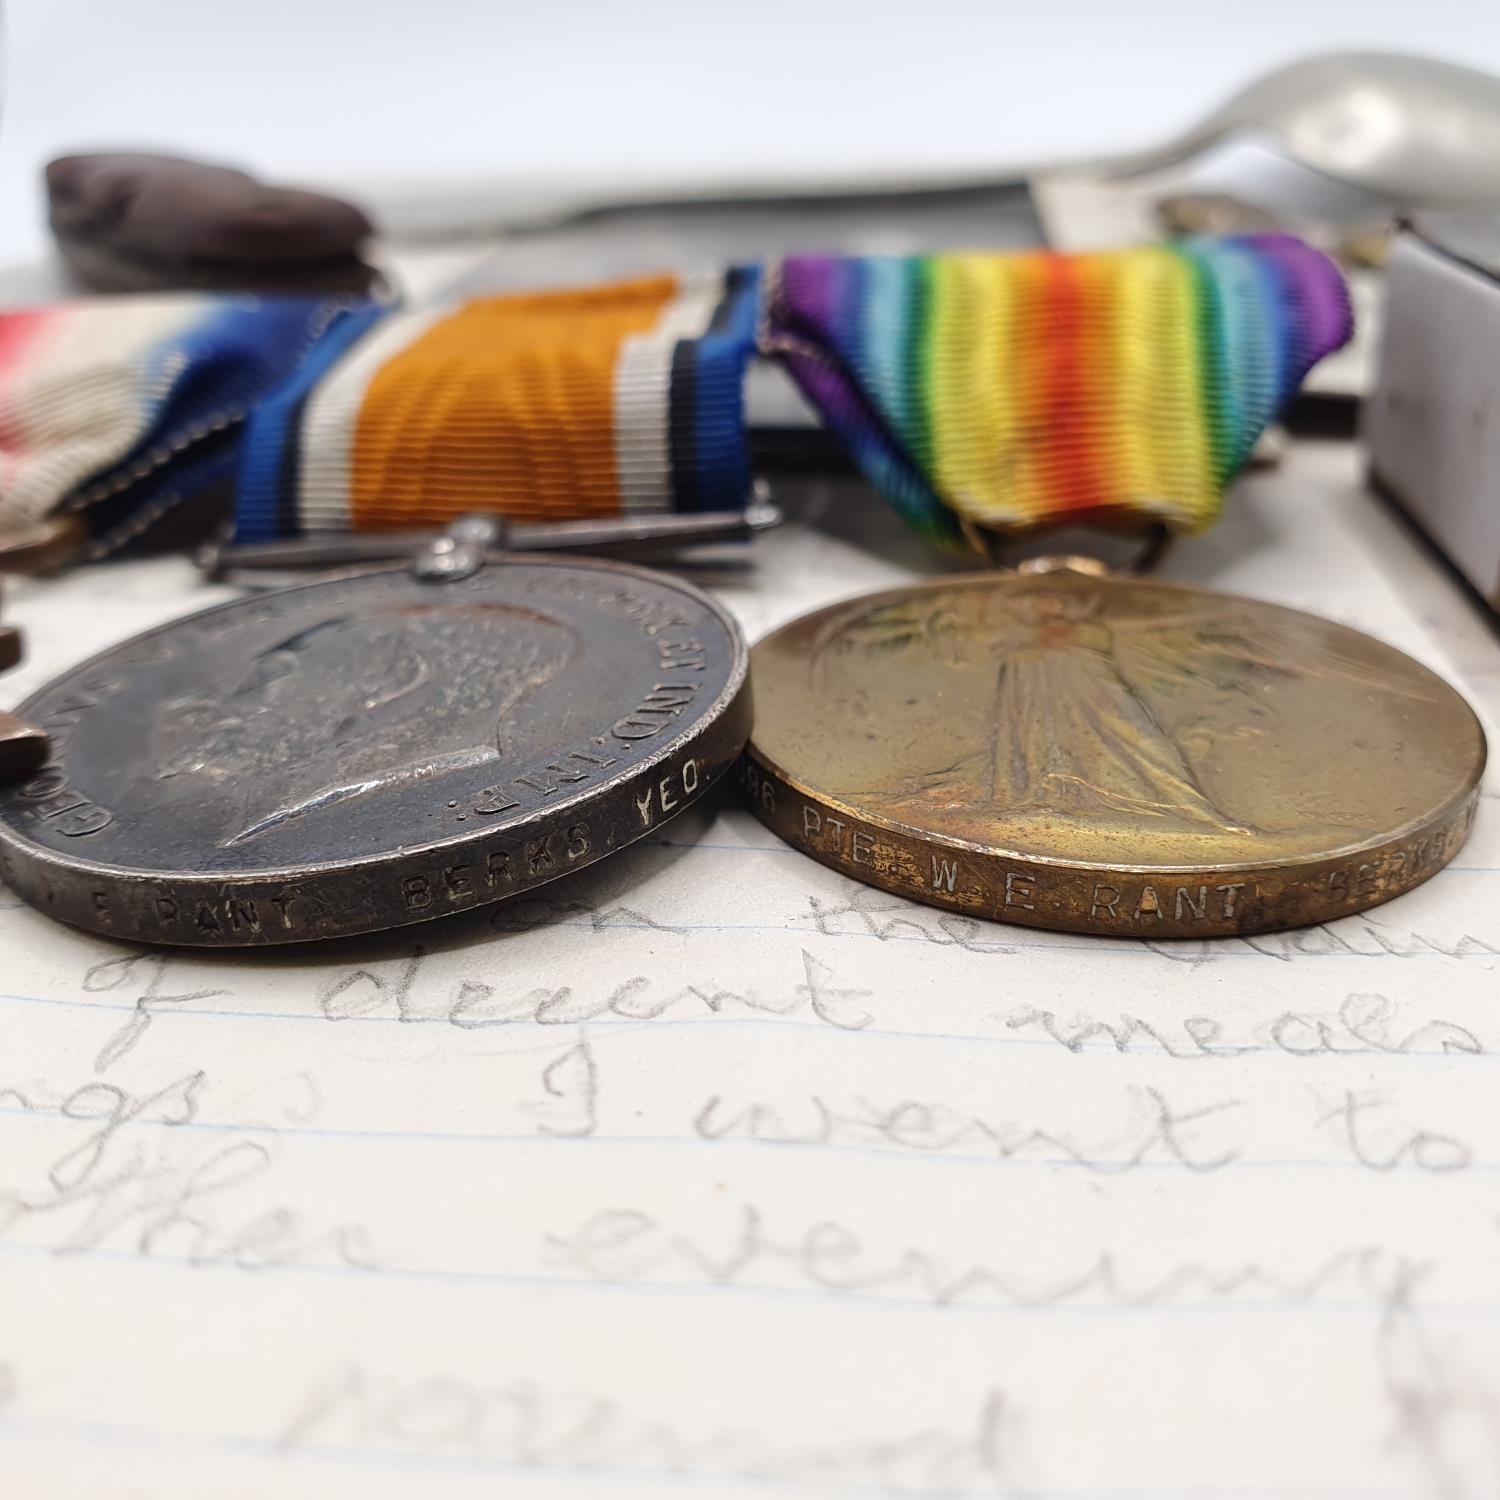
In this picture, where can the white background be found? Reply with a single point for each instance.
(374, 91)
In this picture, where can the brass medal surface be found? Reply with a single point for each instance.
(1123, 757)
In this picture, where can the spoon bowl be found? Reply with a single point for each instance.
(1412, 130)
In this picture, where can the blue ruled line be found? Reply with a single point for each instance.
(849, 1300)
(1104, 1169)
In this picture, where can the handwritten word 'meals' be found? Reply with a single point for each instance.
(1362, 1024)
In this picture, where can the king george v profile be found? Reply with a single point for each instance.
(356, 704)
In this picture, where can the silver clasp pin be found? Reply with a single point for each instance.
(471, 541)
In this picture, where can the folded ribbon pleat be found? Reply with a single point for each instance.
(1014, 391)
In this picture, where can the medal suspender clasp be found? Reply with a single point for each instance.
(471, 541)
(992, 545)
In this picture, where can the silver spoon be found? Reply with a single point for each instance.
(1409, 129)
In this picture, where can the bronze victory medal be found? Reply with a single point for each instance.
(370, 751)
(1130, 758)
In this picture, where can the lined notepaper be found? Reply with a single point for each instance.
(711, 1173)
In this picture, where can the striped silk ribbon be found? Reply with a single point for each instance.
(559, 404)
(1121, 388)
(1005, 392)
(122, 410)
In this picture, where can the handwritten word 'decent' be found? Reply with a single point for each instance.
(473, 1004)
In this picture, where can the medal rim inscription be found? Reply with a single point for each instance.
(68, 887)
(886, 851)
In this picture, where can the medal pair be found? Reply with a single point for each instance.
(1051, 747)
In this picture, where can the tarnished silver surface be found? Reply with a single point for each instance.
(371, 751)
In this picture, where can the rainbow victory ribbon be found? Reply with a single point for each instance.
(1122, 388)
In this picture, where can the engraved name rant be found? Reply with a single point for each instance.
(714, 1171)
